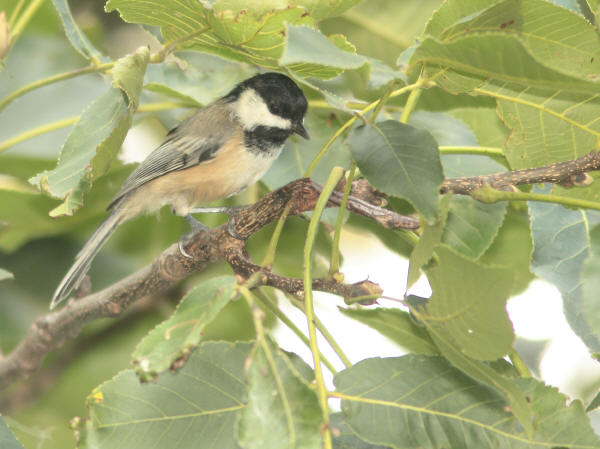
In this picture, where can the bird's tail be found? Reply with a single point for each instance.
(84, 258)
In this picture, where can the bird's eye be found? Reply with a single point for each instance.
(275, 108)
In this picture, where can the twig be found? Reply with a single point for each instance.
(566, 173)
(50, 332)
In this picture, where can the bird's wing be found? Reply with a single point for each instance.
(193, 141)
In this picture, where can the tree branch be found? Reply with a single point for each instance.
(49, 332)
(568, 173)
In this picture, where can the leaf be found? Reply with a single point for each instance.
(309, 53)
(5, 275)
(396, 325)
(561, 245)
(282, 410)
(416, 401)
(23, 210)
(548, 127)
(485, 124)
(197, 407)
(471, 225)
(431, 236)
(96, 139)
(550, 41)
(172, 93)
(7, 439)
(400, 160)
(345, 438)
(175, 337)
(380, 74)
(484, 56)
(467, 306)
(519, 405)
(512, 247)
(78, 39)
(445, 129)
(320, 9)
(590, 280)
(251, 33)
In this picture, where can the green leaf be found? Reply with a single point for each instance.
(431, 236)
(512, 247)
(561, 245)
(7, 439)
(468, 305)
(345, 438)
(96, 139)
(78, 39)
(309, 53)
(590, 280)
(416, 401)
(128, 75)
(197, 407)
(400, 160)
(320, 9)
(282, 410)
(172, 93)
(253, 33)
(396, 325)
(175, 337)
(381, 74)
(23, 210)
(550, 41)
(471, 225)
(547, 126)
(485, 374)
(5, 275)
(485, 57)
(485, 124)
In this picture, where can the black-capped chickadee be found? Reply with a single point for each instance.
(219, 151)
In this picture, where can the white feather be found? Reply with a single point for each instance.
(252, 111)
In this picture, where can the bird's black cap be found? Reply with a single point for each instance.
(282, 96)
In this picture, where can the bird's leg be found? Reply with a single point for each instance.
(229, 210)
(195, 226)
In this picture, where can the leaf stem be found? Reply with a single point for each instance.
(382, 101)
(485, 151)
(334, 177)
(272, 248)
(334, 264)
(519, 364)
(31, 133)
(323, 330)
(15, 12)
(417, 85)
(271, 307)
(24, 19)
(49, 127)
(155, 58)
(53, 79)
(260, 337)
(489, 195)
(411, 102)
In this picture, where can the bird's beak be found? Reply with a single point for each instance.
(299, 129)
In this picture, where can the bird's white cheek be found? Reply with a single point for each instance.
(252, 111)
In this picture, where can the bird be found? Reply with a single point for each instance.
(219, 151)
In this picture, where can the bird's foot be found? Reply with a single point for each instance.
(229, 210)
(196, 227)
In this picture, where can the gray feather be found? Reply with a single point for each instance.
(84, 258)
(194, 141)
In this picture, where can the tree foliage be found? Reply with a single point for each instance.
(402, 98)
